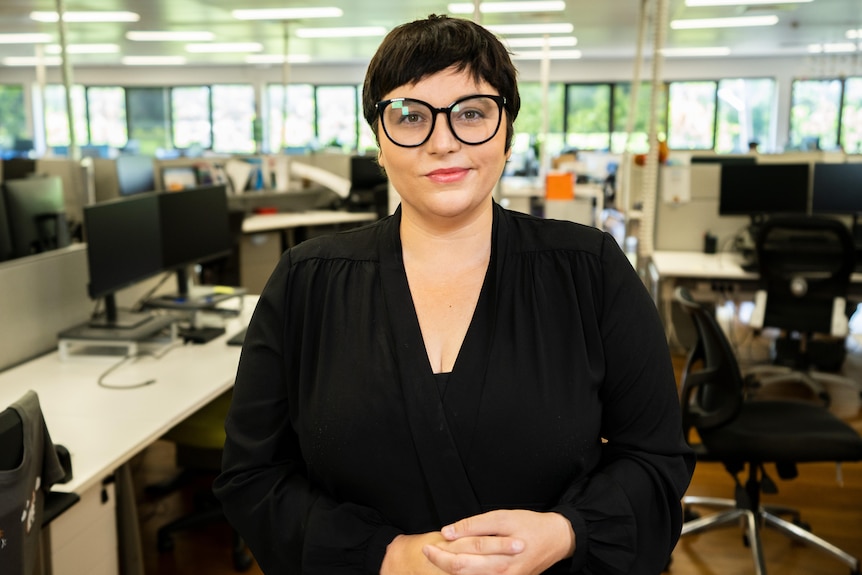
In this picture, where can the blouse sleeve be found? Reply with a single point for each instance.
(289, 525)
(627, 515)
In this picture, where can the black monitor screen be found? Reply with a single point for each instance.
(135, 175)
(366, 173)
(763, 189)
(36, 211)
(18, 168)
(123, 242)
(837, 189)
(724, 160)
(194, 225)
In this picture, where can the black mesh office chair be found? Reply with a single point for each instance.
(805, 264)
(742, 433)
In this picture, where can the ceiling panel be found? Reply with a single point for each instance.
(605, 29)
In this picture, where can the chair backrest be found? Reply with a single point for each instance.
(712, 385)
(11, 439)
(805, 264)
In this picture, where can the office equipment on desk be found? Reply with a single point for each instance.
(238, 338)
(36, 213)
(18, 168)
(123, 247)
(135, 174)
(837, 190)
(739, 433)
(805, 264)
(6, 249)
(178, 177)
(761, 190)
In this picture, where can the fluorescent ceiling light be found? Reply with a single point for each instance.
(25, 38)
(854, 34)
(169, 36)
(740, 22)
(31, 61)
(83, 49)
(287, 13)
(225, 48)
(277, 59)
(552, 41)
(153, 60)
(349, 32)
(742, 2)
(551, 54)
(834, 48)
(533, 29)
(508, 7)
(695, 52)
(100, 16)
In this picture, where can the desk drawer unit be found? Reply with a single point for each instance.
(83, 539)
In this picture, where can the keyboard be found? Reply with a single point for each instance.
(237, 338)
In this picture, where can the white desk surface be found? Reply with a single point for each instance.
(699, 265)
(722, 265)
(284, 220)
(104, 428)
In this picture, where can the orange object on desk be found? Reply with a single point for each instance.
(266, 210)
(560, 186)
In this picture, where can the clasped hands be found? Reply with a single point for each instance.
(502, 542)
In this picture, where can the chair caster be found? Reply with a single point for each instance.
(242, 561)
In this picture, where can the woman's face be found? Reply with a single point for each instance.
(444, 178)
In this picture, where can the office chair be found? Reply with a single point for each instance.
(805, 264)
(742, 433)
(199, 441)
(28, 504)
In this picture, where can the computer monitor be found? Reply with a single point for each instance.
(757, 190)
(18, 168)
(194, 228)
(135, 174)
(36, 210)
(5, 234)
(724, 160)
(123, 247)
(179, 177)
(837, 189)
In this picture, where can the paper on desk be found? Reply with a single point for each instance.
(675, 184)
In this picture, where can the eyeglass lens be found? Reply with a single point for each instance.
(473, 120)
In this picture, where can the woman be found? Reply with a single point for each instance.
(455, 388)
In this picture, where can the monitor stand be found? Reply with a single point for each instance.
(115, 319)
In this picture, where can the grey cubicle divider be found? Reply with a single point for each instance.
(39, 296)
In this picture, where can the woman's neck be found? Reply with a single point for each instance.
(448, 246)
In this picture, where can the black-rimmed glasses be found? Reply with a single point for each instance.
(473, 120)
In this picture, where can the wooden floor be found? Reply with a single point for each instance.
(833, 510)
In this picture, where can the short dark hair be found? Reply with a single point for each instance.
(413, 51)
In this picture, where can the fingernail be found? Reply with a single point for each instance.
(517, 545)
(448, 532)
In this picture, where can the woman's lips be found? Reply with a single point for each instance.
(448, 175)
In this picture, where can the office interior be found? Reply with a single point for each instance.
(657, 207)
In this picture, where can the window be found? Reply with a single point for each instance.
(367, 141)
(814, 114)
(297, 129)
(149, 120)
(233, 117)
(528, 124)
(851, 116)
(57, 120)
(691, 115)
(13, 123)
(106, 110)
(638, 140)
(337, 116)
(744, 113)
(588, 116)
(190, 112)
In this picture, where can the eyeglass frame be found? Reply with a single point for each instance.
(447, 110)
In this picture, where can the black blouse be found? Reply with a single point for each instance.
(340, 436)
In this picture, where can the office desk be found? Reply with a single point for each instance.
(104, 428)
(710, 277)
(266, 236)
